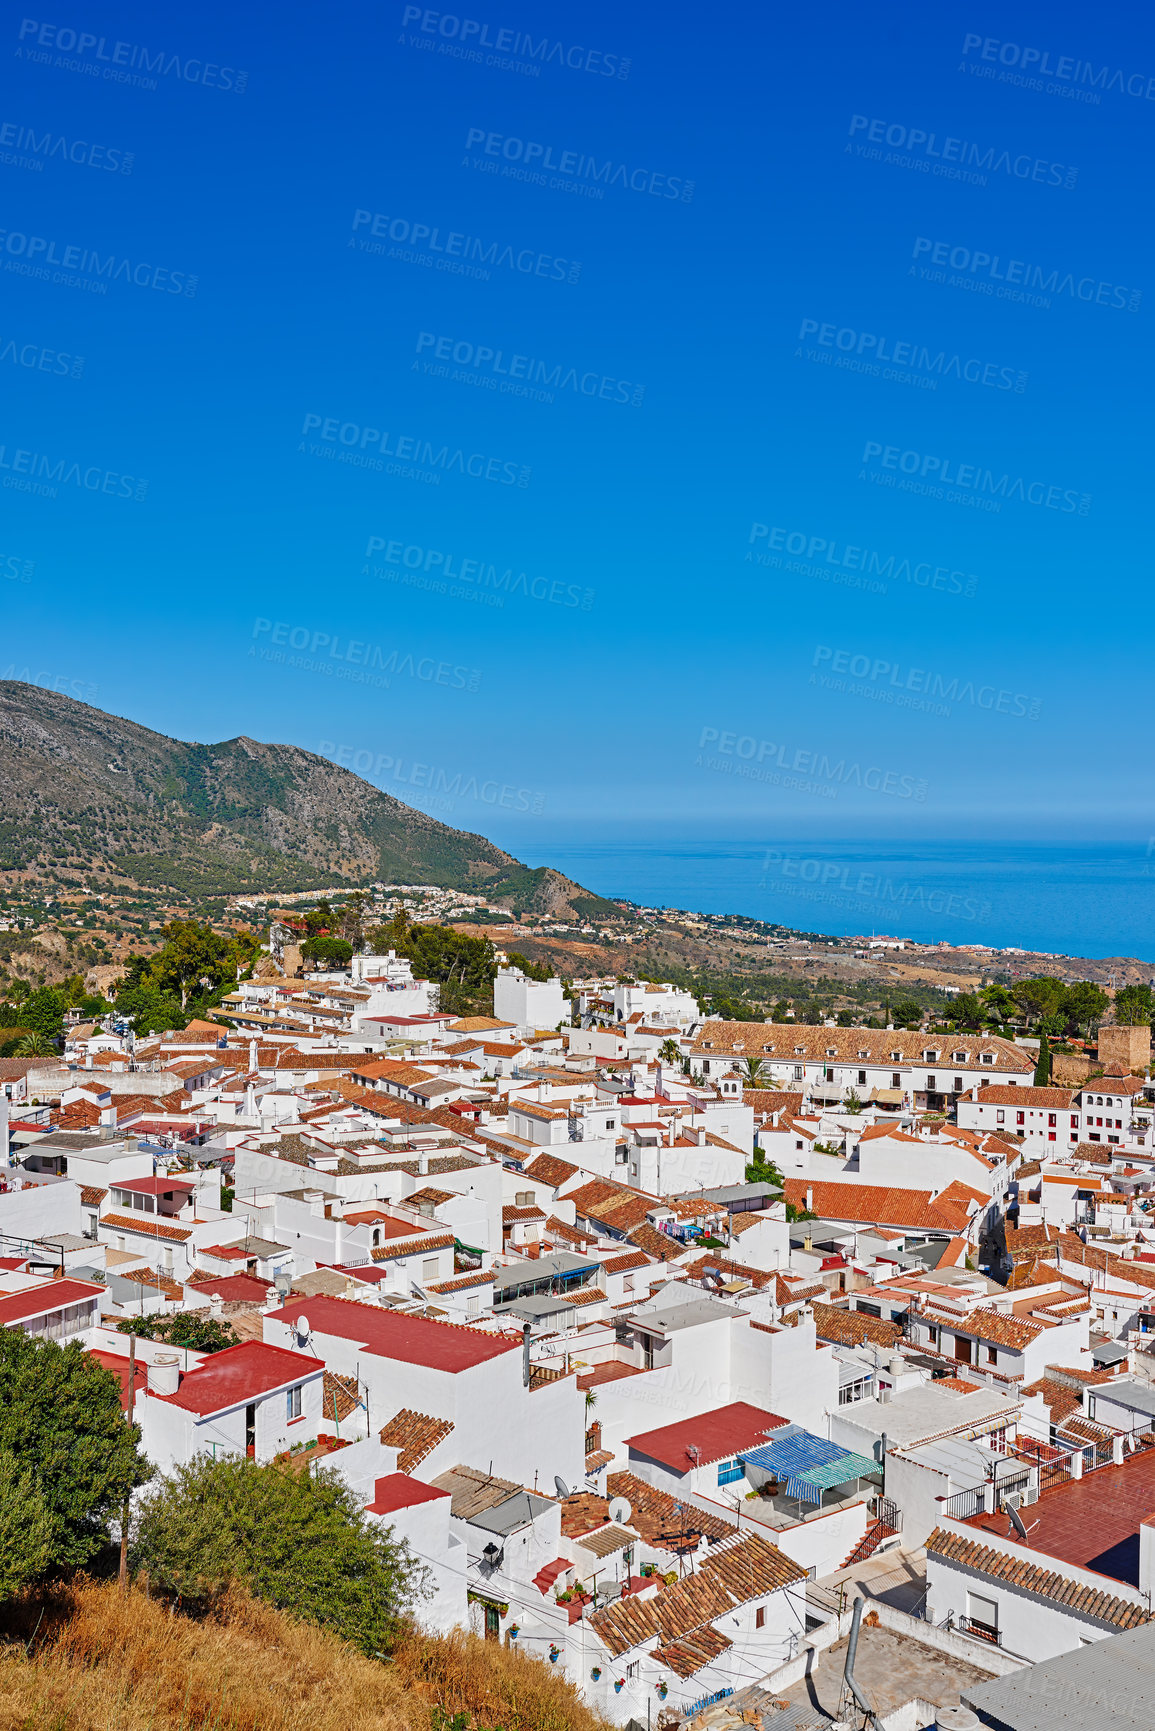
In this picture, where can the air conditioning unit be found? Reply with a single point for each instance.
(1031, 1495)
(1012, 1499)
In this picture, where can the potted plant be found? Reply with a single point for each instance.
(596, 1672)
(515, 1631)
(554, 1653)
(618, 1685)
(663, 1689)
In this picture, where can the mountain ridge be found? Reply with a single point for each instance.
(82, 789)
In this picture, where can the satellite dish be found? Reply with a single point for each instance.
(560, 1487)
(303, 1329)
(619, 1511)
(1016, 1520)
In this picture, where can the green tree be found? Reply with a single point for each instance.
(1038, 998)
(1043, 1067)
(61, 1420)
(1133, 1006)
(753, 1071)
(149, 1009)
(34, 1046)
(183, 1328)
(301, 1542)
(968, 1011)
(905, 1011)
(43, 1012)
(669, 1053)
(1082, 1005)
(25, 1528)
(194, 959)
(852, 1102)
(999, 1002)
(331, 952)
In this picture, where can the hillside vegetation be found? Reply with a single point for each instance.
(89, 792)
(88, 1658)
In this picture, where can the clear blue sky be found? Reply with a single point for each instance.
(750, 236)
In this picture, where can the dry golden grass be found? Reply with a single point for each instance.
(100, 1661)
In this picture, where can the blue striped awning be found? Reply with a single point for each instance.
(808, 1463)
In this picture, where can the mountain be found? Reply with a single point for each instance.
(85, 791)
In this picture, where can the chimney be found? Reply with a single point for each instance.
(810, 1199)
(526, 1332)
(164, 1373)
(252, 1054)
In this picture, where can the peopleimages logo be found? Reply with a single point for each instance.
(890, 676)
(576, 163)
(460, 254)
(473, 35)
(361, 445)
(37, 253)
(762, 759)
(523, 375)
(1031, 278)
(1037, 61)
(119, 61)
(33, 472)
(956, 158)
(53, 146)
(893, 567)
(942, 472)
(431, 568)
(913, 354)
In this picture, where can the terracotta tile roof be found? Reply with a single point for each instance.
(510, 1214)
(550, 1169)
(584, 1295)
(696, 1270)
(598, 1458)
(688, 1655)
(561, 1229)
(997, 1095)
(416, 1434)
(745, 1567)
(875, 1204)
(654, 1243)
(583, 1513)
(421, 1243)
(91, 1195)
(1015, 1332)
(339, 1396)
(853, 1327)
(1031, 1578)
(623, 1264)
(151, 1224)
(781, 1042)
(462, 1282)
(655, 1515)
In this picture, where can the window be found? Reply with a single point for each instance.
(1000, 1116)
(760, 1617)
(798, 1072)
(896, 1080)
(958, 1084)
(857, 1390)
(429, 1268)
(473, 1305)
(1020, 1117)
(988, 1058)
(931, 1085)
(983, 1616)
(992, 1355)
(609, 1123)
(632, 1670)
(1052, 1119)
(293, 1402)
(862, 1078)
(959, 1057)
(729, 1472)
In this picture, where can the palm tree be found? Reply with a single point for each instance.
(35, 1046)
(752, 1069)
(668, 1052)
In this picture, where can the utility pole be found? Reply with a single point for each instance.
(131, 1403)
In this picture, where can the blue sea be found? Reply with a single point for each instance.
(1076, 899)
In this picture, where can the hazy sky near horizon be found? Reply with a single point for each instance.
(724, 418)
